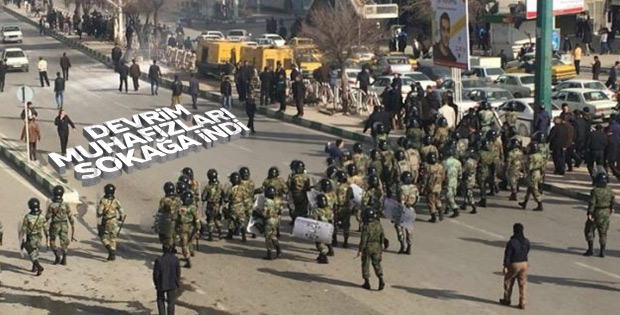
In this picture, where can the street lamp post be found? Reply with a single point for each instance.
(119, 28)
(544, 27)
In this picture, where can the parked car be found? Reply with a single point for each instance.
(438, 74)
(361, 54)
(275, 38)
(12, 34)
(208, 35)
(381, 82)
(560, 70)
(238, 35)
(421, 78)
(524, 107)
(392, 64)
(466, 83)
(495, 96)
(600, 105)
(519, 84)
(585, 84)
(16, 59)
(490, 73)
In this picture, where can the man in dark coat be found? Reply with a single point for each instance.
(134, 73)
(581, 132)
(65, 64)
(250, 110)
(62, 123)
(166, 277)
(596, 144)
(298, 95)
(117, 53)
(265, 85)
(541, 120)
(378, 116)
(194, 89)
(557, 143)
(596, 68)
(123, 73)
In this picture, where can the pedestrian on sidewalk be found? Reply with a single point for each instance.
(226, 91)
(577, 57)
(117, 53)
(281, 92)
(265, 85)
(59, 90)
(166, 278)
(34, 136)
(541, 120)
(123, 73)
(154, 75)
(3, 71)
(32, 113)
(250, 110)
(177, 89)
(134, 73)
(42, 66)
(603, 42)
(557, 143)
(596, 68)
(612, 153)
(515, 266)
(567, 45)
(613, 77)
(596, 144)
(62, 123)
(194, 89)
(299, 92)
(65, 64)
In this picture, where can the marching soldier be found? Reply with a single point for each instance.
(485, 117)
(469, 180)
(375, 162)
(373, 195)
(213, 195)
(330, 173)
(33, 227)
(510, 117)
(387, 161)
(498, 153)
(415, 133)
(360, 159)
(110, 212)
(235, 198)
(371, 245)
(271, 214)
(194, 184)
(407, 195)
(59, 216)
(454, 171)
(188, 226)
(166, 217)
(354, 177)
(414, 159)
(402, 165)
(514, 164)
(462, 143)
(535, 169)
(323, 213)
(299, 185)
(274, 179)
(600, 208)
(347, 159)
(442, 133)
(434, 182)
(428, 148)
(485, 160)
(381, 133)
(249, 188)
(344, 206)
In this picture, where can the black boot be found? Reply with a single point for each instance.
(408, 250)
(366, 284)
(602, 252)
(402, 248)
(523, 204)
(34, 268)
(57, 259)
(473, 210)
(63, 261)
(39, 267)
(482, 203)
(455, 213)
(440, 215)
(381, 284)
(345, 243)
(243, 238)
(188, 263)
(446, 211)
(109, 253)
(463, 206)
(322, 259)
(330, 250)
(513, 197)
(589, 252)
(268, 256)
(229, 236)
(210, 237)
(539, 207)
(112, 255)
(278, 249)
(433, 218)
(334, 242)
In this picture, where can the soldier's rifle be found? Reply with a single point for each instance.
(121, 227)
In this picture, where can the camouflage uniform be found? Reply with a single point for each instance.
(425, 151)
(344, 207)
(33, 227)
(298, 185)
(188, 228)
(401, 167)
(167, 219)
(110, 212)
(514, 164)
(496, 167)
(454, 171)
(194, 186)
(371, 247)
(485, 117)
(387, 159)
(469, 181)
(271, 215)
(535, 168)
(441, 136)
(510, 118)
(485, 160)
(324, 215)
(213, 194)
(414, 159)
(361, 161)
(58, 214)
(415, 134)
(373, 198)
(599, 208)
(408, 196)
(236, 196)
(434, 180)
(248, 186)
(461, 148)
(281, 191)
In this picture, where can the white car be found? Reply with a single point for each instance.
(275, 38)
(381, 82)
(238, 35)
(525, 114)
(16, 59)
(213, 34)
(597, 101)
(392, 64)
(421, 78)
(585, 84)
(352, 75)
(490, 73)
(12, 34)
(361, 53)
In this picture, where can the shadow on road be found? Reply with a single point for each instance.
(539, 247)
(572, 282)
(444, 294)
(307, 277)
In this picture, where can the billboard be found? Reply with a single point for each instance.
(560, 7)
(450, 33)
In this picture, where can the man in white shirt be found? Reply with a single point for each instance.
(448, 112)
(42, 66)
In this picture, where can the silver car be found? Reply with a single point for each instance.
(597, 101)
(392, 64)
(519, 84)
(495, 96)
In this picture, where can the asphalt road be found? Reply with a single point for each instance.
(454, 269)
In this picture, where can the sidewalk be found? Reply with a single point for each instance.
(576, 184)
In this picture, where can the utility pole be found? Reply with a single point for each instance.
(119, 28)
(544, 28)
(235, 9)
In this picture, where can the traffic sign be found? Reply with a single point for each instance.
(25, 94)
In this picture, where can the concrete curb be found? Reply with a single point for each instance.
(36, 173)
(567, 192)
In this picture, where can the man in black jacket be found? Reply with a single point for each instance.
(177, 90)
(65, 64)
(123, 73)
(166, 277)
(298, 95)
(595, 148)
(515, 266)
(154, 75)
(265, 86)
(59, 90)
(3, 70)
(557, 143)
(226, 91)
(62, 123)
(596, 68)
(117, 53)
(378, 116)
(581, 132)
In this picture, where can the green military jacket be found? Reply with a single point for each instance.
(601, 199)
(454, 171)
(59, 212)
(372, 235)
(407, 195)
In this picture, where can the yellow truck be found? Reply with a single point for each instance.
(560, 71)
(215, 57)
(262, 56)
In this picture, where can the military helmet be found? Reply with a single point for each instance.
(539, 137)
(181, 188)
(456, 135)
(442, 122)
(326, 185)
(212, 175)
(373, 181)
(300, 167)
(532, 148)
(414, 122)
(189, 172)
(431, 158)
(109, 190)
(244, 172)
(330, 161)
(427, 140)
(321, 201)
(375, 155)
(371, 170)
(34, 205)
(187, 198)
(449, 151)
(486, 145)
(331, 171)
(273, 172)
(348, 156)
(515, 143)
(601, 180)
(358, 147)
(408, 143)
(491, 134)
(380, 128)
(471, 152)
(235, 178)
(184, 179)
(400, 155)
(169, 188)
(401, 141)
(383, 145)
(485, 105)
(406, 178)
(270, 192)
(351, 169)
(58, 192)
(341, 177)
(368, 215)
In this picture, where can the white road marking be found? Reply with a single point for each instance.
(24, 182)
(471, 227)
(613, 275)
